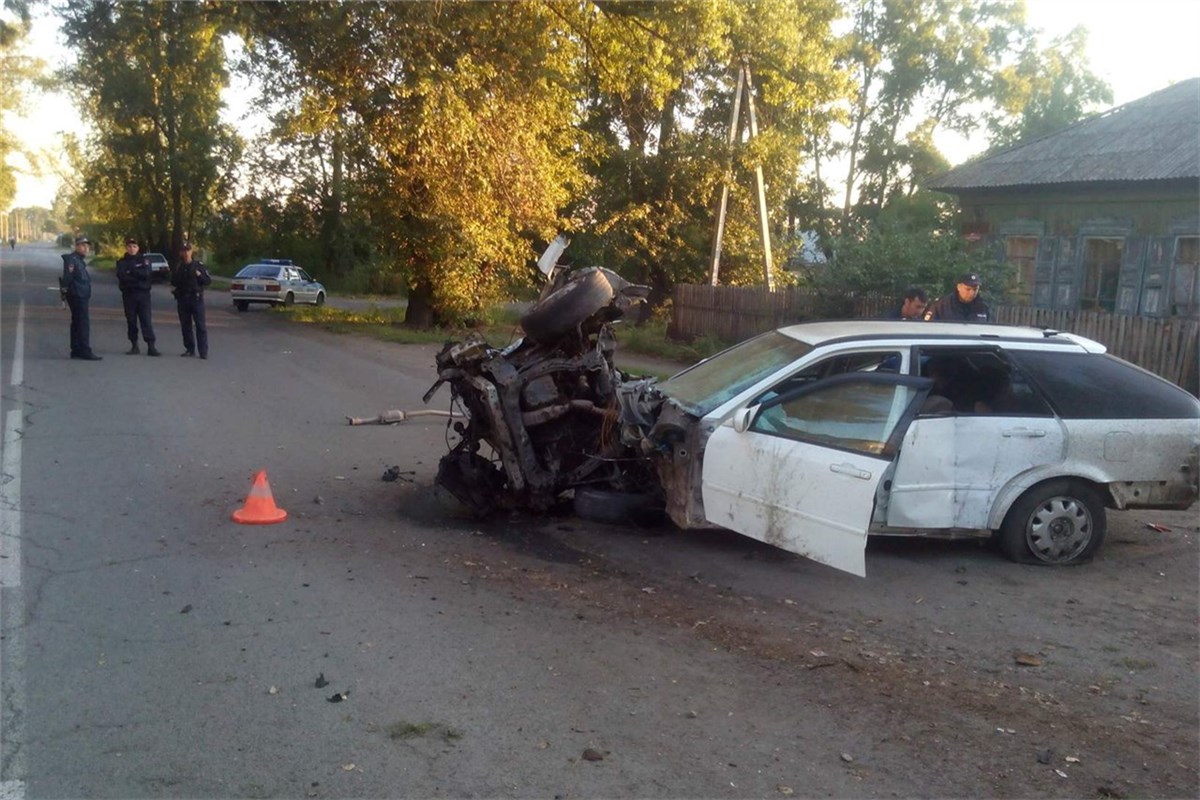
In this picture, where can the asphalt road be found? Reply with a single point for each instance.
(153, 648)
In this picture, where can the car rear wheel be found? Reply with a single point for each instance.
(320, 298)
(1056, 523)
(241, 305)
(289, 299)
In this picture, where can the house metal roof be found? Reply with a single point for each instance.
(1154, 138)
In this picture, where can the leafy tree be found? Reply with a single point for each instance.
(920, 65)
(457, 129)
(150, 77)
(1045, 90)
(904, 249)
(661, 80)
(18, 71)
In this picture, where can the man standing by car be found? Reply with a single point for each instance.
(135, 279)
(189, 281)
(912, 307)
(961, 305)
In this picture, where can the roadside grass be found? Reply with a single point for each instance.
(387, 324)
(499, 327)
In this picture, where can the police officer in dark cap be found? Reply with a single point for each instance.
(134, 278)
(963, 304)
(189, 281)
(76, 287)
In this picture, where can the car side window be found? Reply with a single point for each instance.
(978, 381)
(839, 364)
(858, 416)
(304, 276)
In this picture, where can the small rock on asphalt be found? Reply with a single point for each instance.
(592, 755)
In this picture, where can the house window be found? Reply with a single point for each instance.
(1021, 252)
(1185, 282)
(1101, 269)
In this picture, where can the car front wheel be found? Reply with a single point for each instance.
(1056, 523)
(320, 298)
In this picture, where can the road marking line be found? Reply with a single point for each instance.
(12, 683)
(10, 502)
(18, 365)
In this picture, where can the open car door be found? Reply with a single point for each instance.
(801, 470)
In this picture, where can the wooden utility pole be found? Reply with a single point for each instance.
(746, 85)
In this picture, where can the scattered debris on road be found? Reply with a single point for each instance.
(394, 473)
(394, 415)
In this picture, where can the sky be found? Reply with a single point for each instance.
(1137, 46)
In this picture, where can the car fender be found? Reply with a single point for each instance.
(1008, 495)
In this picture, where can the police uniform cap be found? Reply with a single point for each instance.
(969, 278)
(82, 240)
(185, 246)
(131, 240)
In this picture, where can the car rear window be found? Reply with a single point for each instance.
(258, 271)
(1101, 386)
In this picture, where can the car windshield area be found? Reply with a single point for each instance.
(258, 271)
(702, 388)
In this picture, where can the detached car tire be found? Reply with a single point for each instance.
(1057, 523)
(619, 508)
(564, 309)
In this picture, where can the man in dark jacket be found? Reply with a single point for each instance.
(135, 279)
(189, 281)
(912, 307)
(76, 287)
(961, 305)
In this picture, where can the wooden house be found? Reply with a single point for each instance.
(1101, 215)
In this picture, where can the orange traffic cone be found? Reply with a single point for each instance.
(260, 508)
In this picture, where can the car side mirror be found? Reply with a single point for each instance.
(743, 417)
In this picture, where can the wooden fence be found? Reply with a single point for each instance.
(1168, 347)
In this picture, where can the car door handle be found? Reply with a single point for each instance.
(851, 470)
(1023, 433)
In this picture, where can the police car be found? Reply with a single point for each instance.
(276, 282)
(160, 270)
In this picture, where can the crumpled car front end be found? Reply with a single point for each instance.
(550, 412)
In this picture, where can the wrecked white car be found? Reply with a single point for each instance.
(813, 436)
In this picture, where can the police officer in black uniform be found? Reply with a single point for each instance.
(134, 278)
(963, 304)
(189, 281)
(76, 287)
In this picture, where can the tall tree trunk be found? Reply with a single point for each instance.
(332, 240)
(419, 313)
